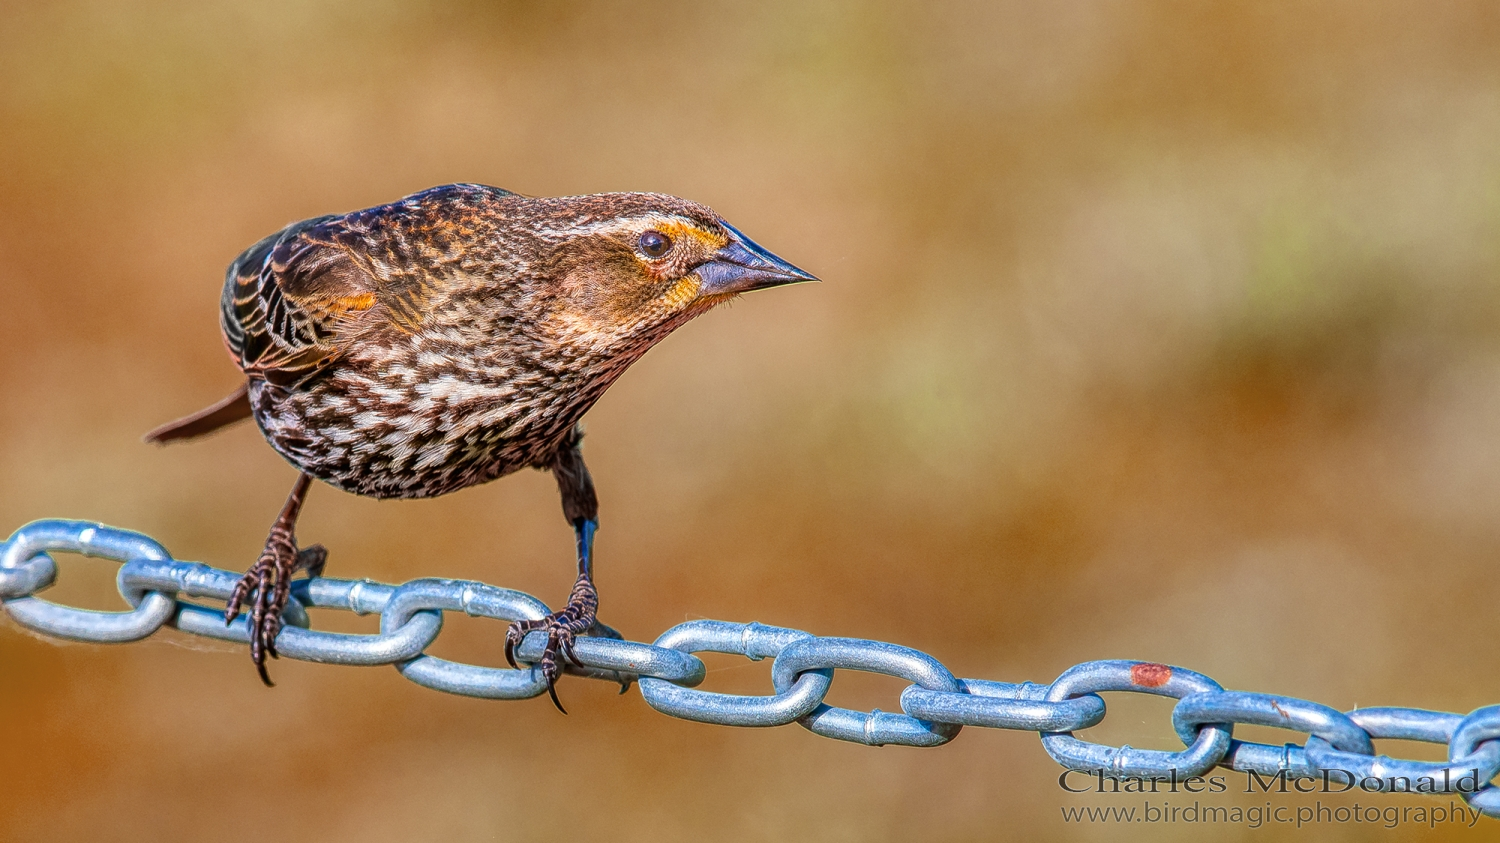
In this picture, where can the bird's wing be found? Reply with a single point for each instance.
(292, 301)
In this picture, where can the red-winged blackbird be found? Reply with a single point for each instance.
(421, 347)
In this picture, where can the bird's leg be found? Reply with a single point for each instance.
(269, 580)
(579, 615)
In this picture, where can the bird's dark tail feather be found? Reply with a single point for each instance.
(228, 411)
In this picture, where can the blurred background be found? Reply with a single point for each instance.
(1155, 330)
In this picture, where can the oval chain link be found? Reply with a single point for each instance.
(876, 728)
(752, 640)
(1206, 747)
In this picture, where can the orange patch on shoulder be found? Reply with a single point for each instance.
(362, 301)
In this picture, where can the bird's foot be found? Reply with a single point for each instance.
(578, 617)
(266, 586)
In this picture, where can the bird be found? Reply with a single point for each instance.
(452, 337)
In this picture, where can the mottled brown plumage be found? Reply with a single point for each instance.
(458, 335)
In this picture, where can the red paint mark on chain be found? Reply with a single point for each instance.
(1149, 675)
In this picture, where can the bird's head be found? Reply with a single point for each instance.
(633, 266)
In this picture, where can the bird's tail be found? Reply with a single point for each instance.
(228, 411)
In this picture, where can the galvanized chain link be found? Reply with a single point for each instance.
(161, 591)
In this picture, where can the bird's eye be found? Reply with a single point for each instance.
(655, 244)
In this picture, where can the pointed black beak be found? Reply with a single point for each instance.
(741, 266)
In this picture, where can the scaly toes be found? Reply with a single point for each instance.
(565, 646)
(243, 590)
(515, 635)
(263, 632)
(260, 619)
(559, 644)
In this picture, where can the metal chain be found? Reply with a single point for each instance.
(934, 708)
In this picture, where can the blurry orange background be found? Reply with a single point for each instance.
(1157, 330)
